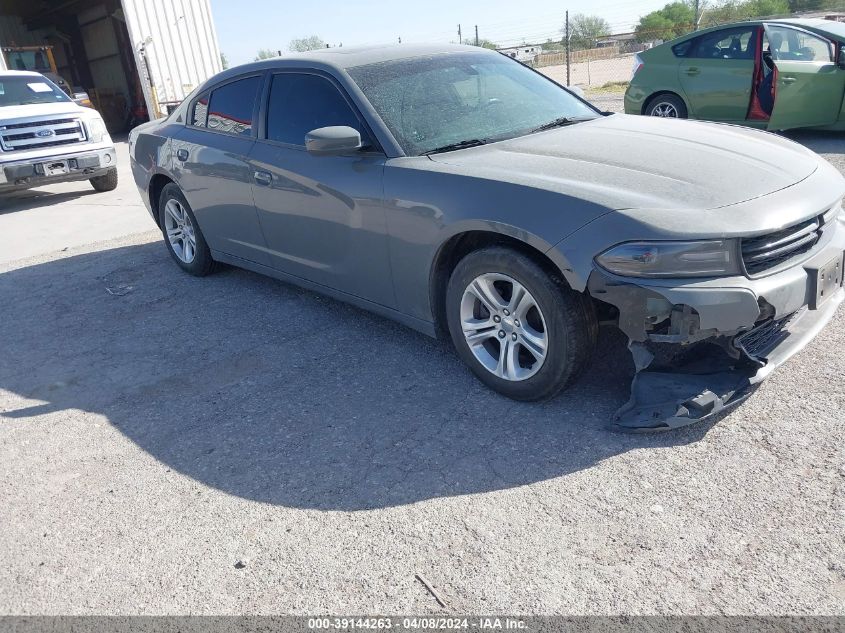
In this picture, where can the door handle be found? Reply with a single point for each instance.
(692, 71)
(788, 80)
(182, 154)
(263, 178)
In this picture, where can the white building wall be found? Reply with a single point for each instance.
(177, 43)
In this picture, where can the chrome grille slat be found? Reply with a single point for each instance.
(766, 252)
(775, 240)
(22, 136)
(783, 250)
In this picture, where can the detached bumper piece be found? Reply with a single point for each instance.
(676, 385)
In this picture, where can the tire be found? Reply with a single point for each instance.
(190, 251)
(565, 318)
(106, 182)
(671, 105)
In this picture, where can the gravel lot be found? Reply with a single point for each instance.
(236, 445)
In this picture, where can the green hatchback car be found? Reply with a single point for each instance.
(771, 74)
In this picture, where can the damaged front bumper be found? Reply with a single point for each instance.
(702, 346)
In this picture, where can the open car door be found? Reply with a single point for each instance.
(810, 85)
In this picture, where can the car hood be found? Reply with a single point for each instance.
(8, 114)
(629, 162)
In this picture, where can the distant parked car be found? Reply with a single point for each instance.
(776, 75)
(45, 137)
(456, 190)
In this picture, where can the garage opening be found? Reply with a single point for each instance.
(131, 59)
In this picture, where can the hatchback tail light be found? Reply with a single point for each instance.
(638, 63)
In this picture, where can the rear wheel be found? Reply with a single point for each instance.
(106, 182)
(182, 234)
(521, 332)
(669, 106)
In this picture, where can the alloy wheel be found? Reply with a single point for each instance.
(504, 326)
(666, 110)
(180, 231)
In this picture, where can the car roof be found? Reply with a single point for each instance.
(19, 73)
(343, 58)
(811, 24)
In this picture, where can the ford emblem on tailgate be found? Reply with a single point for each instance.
(44, 133)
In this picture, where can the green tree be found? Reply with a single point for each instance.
(584, 30)
(265, 53)
(814, 5)
(667, 23)
(303, 44)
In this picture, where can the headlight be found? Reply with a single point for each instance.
(97, 131)
(672, 259)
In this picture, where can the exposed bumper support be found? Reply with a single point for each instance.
(687, 371)
(698, 389)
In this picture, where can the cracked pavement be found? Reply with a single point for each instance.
(154, 437)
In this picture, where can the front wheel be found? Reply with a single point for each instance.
(106, 182)
(668, 106)
(522, 333)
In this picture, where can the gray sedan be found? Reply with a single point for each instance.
(461, 193)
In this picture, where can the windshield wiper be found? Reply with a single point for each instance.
(559, 122)
(473, 142)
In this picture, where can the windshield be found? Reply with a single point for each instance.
(26, 89)
(436, 101)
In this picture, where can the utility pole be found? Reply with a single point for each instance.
(697, 16)
(460, 37)
(567, 48)
(476, 35)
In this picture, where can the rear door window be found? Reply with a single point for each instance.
(232, 106)
(302, 102)
(726, 44)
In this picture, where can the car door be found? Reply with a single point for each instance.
(211, 166)
(323, 216)
(718, 72)
(809, 85)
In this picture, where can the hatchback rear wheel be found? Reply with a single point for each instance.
(668, 106)
(522, 332)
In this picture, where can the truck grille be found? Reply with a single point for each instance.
(38, 134)
(769, 251)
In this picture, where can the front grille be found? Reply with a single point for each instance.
(769, 251)
(23, 136)
(763, 338)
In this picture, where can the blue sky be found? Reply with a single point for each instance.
(244, 26)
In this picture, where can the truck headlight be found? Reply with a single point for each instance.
(709, 258)
(97, 131)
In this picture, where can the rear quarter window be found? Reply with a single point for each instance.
(683, 49)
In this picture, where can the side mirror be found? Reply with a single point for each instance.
(333, 141)
(841, 61)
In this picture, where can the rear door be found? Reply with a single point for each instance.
(212, 169)
(810, 85)
(718, 72)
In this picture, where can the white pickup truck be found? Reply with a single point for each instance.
(45, 137)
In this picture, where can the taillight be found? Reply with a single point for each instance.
(638, 63)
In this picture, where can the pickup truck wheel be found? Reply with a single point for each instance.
(523, 332)
(106, 182)
(182, 234)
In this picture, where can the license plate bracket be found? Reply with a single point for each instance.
(55, 168)
(828, 279)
